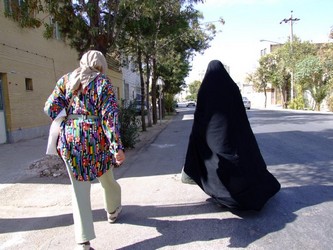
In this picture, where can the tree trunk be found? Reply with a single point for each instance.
(163, 106)
(284, 97)
(265, 93)
(317, 106)
(143, 120)
(153, 91)
(147, 91)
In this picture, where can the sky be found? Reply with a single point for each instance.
(247, 22)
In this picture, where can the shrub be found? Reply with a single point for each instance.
(129, 128)
(169, 103)
(297, 103)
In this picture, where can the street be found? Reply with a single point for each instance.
(160, 212)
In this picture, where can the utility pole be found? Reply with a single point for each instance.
(291, 20)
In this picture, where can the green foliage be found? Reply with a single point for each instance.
(162, 36)
(297, 103)
(129, 129)
(84, 24)
(312, 74)
(193, 90)
(169, 103)
(23, 12)
(48, 33)
(310, 64)
(263, 73)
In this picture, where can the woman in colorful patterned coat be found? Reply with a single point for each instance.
(89, 141)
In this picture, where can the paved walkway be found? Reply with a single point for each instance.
(29, 183)
(159, 211)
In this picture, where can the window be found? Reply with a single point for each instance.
(28, 84)
(56, 29)
(20, 11)
(12, 6)
(116, 92)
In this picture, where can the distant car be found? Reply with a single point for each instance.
(186, 104)
(247, 102)
(191, 104)
(181, 104)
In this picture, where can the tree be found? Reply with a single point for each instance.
(325, 54)
(291, 53)
(263, 75)
(314, 75)
(149, 31)
(84, 24)
(166, 34)
(278, 67)
(193, 89)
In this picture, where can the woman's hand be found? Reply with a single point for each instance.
(119, 156)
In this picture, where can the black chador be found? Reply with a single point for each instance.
(223, 156)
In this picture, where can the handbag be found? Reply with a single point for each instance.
(51, 148)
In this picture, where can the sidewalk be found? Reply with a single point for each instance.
(35, 191)
(29, 156)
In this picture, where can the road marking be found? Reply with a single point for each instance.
(163, 145)
(188, 117)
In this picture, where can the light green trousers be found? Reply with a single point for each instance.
(82, 213)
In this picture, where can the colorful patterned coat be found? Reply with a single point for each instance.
(87, 145)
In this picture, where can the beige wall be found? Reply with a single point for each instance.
(24, 53)
(117, 82)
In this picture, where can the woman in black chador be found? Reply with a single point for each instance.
(223, 156)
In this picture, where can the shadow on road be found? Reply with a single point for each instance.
(243, 229)
(294, 161)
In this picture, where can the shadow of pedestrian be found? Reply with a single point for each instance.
(242, 228)
(246, 228)
(11, 225)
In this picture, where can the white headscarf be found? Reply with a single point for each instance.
(92, 64)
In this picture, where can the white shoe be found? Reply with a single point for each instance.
(113, 216)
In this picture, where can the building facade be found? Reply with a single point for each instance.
(30, 65)
(131, 81)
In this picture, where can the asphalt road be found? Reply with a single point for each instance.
(159, 212)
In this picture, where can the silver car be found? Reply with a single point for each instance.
(191, 104)
(247, 102)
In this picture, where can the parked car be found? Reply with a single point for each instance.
(180, 105)
(138, 107)
(186, 104)
(247, 102)
(191, 104)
